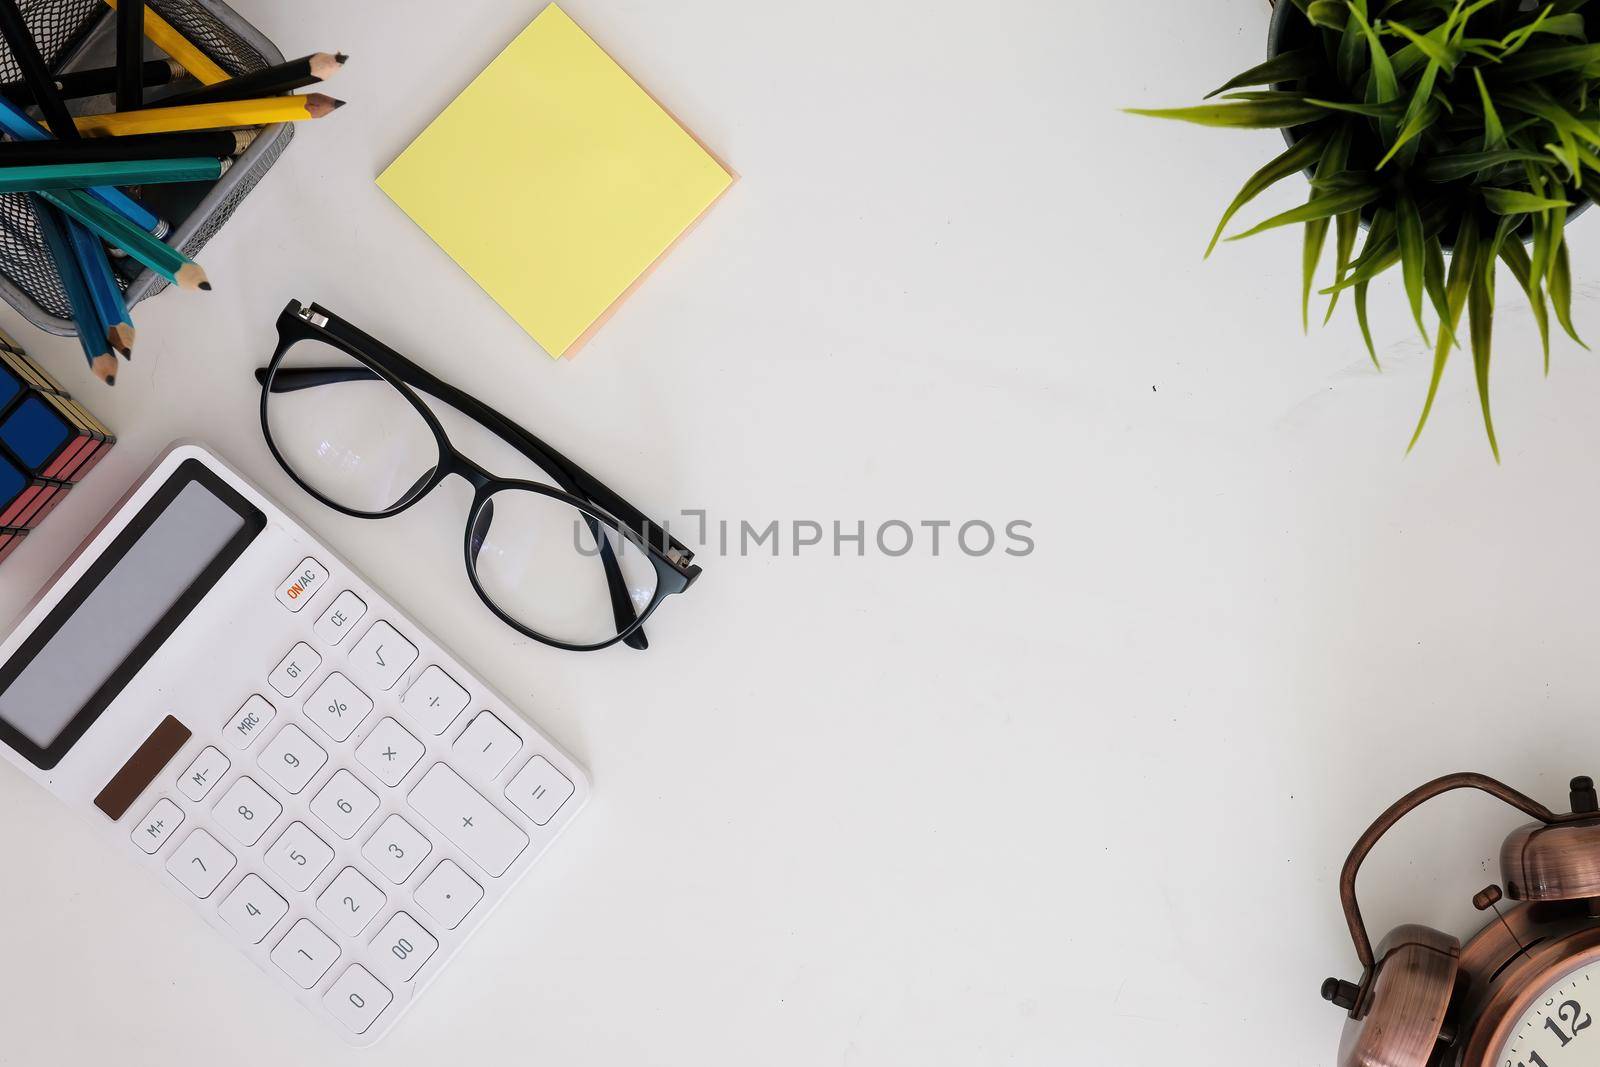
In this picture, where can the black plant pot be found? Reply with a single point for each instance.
(1289, 29)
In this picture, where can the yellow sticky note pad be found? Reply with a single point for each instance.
(555, 181)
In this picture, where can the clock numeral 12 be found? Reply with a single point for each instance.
(1569, 1013)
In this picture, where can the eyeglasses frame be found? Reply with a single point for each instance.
(673, 562)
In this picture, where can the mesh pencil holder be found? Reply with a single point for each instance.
(77, 34)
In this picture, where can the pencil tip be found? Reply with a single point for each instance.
(205, 286)
(341, 58)
(337, 104)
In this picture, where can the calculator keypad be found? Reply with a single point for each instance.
(324, 817)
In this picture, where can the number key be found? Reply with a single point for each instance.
(292, 759)
(401, 948)
(357, 998)
(351, 901)
(246, 810)
(344, 804)
(253, 908)
(397, 849)
(299, 857)
(200, 863)
(305, 954)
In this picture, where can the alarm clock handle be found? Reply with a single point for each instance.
(1399, 810)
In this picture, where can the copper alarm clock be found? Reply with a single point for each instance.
(1524, 991)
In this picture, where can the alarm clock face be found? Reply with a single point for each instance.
(1558, 1029)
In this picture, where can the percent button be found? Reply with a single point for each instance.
(338, 707)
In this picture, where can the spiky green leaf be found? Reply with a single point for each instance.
(1513, 201)
(1463, 267)
(1515, 256)
(1413, 256)
(1290, 109)
(1293, 160)
(1283, 67)
(1449, 168)
(1561, 293)
(1320, 207)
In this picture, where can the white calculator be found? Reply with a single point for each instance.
(256, 725)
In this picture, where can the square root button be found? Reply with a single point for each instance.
(302, 585)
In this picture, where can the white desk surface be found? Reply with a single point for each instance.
(1084, 806)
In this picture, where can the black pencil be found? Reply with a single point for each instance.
(96, 81)
(273, 81)
(218, 144)
(130, 55)
(34, 71)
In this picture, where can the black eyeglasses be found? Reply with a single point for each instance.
(572, 565)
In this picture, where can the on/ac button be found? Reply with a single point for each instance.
(302, 585)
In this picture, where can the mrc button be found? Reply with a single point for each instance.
(302, 585)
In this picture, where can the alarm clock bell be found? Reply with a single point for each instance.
(1515, 993)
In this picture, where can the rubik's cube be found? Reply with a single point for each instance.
(48, 442)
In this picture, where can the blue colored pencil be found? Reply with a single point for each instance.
(103, 289)
(84, 312)
(14, 120)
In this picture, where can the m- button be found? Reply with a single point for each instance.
(302, 585)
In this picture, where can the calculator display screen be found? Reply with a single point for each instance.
(132, 597)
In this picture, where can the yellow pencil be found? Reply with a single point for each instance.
(162, 34)
(220, 115)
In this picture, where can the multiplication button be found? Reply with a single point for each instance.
(302, 585)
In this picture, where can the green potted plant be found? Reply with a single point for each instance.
(1459, 130)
